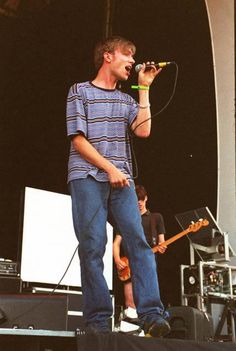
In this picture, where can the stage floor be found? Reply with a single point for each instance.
(49, 340)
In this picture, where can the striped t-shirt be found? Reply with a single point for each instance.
(103, 116)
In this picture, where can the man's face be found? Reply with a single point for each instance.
(142, 204)
(121, 63)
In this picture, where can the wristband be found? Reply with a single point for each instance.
(140, 87)
(144, 106)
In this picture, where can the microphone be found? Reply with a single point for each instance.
(158, 65)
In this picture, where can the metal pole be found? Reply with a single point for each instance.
(108, 18)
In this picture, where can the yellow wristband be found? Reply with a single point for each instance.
(140, 87)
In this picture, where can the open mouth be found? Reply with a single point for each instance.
(128, 68)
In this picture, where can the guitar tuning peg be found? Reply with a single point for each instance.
(200, 219)
(192, 222)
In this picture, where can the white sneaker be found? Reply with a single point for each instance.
(126, 327)
(130, 312)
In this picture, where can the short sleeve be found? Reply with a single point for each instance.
(160, 224)
(76, 119)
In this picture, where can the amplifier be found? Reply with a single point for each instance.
(8, 267)
(75, 318)
(34, 311)
(10, 284)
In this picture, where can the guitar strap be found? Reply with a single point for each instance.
(153, 226)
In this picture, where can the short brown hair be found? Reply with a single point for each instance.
(110, 45)
(141, 192)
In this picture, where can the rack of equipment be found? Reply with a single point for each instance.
(209, 282)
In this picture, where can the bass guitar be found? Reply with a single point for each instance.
(124, 274)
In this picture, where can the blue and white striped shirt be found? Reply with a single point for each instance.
(103, 116)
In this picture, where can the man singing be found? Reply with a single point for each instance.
(99, 120)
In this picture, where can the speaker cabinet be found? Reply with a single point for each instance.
(75, 318)
(190, 323)
(10, 285)
(32, 311)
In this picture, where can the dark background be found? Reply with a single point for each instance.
(44, 52)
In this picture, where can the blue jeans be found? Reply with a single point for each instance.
(91, 201)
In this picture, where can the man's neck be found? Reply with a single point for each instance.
(144, 210)
(105, 80)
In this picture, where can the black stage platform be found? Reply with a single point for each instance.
(46, 340)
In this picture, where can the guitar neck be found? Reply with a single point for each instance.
(171, 240)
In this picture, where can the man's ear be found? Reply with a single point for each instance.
(107, 56)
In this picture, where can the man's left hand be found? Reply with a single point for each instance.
(161, 249)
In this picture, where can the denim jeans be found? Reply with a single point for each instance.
(91, 201)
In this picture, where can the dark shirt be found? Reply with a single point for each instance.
(153, 225)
